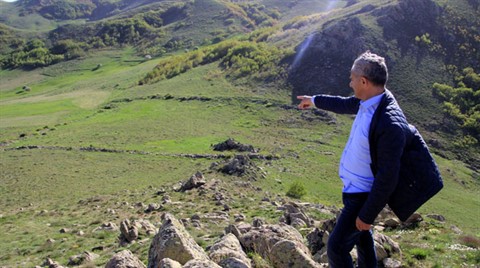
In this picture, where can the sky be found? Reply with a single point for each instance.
(8, 0)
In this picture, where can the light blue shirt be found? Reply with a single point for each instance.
(354, 169)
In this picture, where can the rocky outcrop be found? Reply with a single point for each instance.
(242, 166)
(232, 145)
(174, 242)
(124, 259)
(281, 245)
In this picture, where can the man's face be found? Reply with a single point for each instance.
(357, 83)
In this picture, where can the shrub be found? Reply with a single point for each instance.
(296, 190)
(419, 253)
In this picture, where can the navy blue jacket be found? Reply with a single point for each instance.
(406, 175)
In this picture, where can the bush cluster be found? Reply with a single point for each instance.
(238, 58)
(462, 103)
(296, 190)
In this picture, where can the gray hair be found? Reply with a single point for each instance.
(372, 67)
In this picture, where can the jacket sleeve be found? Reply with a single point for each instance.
(337, 104)
(390, 142)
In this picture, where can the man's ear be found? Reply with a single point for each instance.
(364, 80)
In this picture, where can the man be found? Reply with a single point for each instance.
(371, 163)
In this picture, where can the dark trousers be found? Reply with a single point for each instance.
(345, 236)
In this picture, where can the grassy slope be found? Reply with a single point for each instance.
(9, 15)
(55, 180)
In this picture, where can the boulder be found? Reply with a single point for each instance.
(229, 246)
(385, 246)
(145, 227)
(51, 263)
(195, 181)
(240, 165)
(281, 244)
(231, 144)
(169, 263)
(128, 232)
(392, 263)
(174, 242)
(317, 240)
(108, 226)
(201, 263)
(437, 217)
(124, 259)
(83, 258)
(232, 262)
(291, 254)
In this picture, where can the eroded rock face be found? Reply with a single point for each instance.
(124, 259)
(174, 242)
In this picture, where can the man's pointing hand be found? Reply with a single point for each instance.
(307, 102)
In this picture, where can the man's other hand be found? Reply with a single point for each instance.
(306, 102)
(362, 226)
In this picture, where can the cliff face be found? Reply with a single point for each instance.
(327, 57)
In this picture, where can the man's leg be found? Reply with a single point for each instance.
(345, 234)
(366, 250)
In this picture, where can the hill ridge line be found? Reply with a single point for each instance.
(106, 150)
(262, 101)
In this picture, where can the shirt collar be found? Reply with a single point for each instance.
(373, 101)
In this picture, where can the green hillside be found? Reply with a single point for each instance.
(94, 136)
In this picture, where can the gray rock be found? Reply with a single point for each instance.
(195, 181)
(83, 258)
(51, 263)
(145, 227)
(128, 232)
(391, 222)
(291, 254)
(392, 263)
(385, 246)
(437, 217)
(282, 244)
(169, 263)
(233, 262)
(174, 242)
(317, 240)
(228, 246)
(124, 259)
(201, 263)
